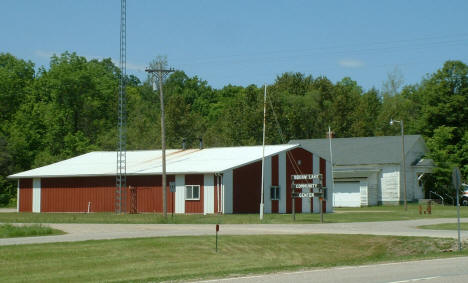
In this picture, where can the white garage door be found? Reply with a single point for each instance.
(347, 194)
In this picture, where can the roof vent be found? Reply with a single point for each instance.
(201, 142)
(184, 146)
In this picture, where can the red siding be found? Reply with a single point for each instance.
(73, 194)
(274, 182)
(323, 171)
(247, 188)
(274, 171)
(274, 206)
(294, 168)
(25, 192)
(195, 206)
(146, 199)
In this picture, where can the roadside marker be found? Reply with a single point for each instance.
(217, 230)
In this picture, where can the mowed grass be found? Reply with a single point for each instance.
(182, 258)
(445, 226)
(11, 231)
(365, 214)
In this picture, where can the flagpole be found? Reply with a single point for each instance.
(263, 154)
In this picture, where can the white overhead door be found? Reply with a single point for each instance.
(347, 194)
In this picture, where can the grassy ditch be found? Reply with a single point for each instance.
(445, 226)
(181, 258)
(365, 214)
(12, 231)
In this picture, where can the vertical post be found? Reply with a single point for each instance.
(456, 181)
(18, 196)
(458, 219)
(331, 161)
(321, 209)
(163, 141)
(293, 204)
(404, 163)
(217, 230)
(161, 73)
(263, 156)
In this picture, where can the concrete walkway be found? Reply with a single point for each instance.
(83, 232)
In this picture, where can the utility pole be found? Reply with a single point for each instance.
(160, 74)
(402, 158)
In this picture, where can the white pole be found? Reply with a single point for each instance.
(18, 196)
(263, 154)
(331, 160)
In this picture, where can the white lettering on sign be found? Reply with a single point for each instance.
(307, 186)
(307, 177)
(306, 195)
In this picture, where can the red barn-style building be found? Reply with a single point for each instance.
(210, 180)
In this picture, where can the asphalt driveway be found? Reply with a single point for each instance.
(83, 232)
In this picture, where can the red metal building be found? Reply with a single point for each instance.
(212, 180)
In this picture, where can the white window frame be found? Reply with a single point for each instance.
(278, 193)
(192, 187)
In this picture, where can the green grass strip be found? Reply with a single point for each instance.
(183, 258)
(445, 226)
(365, 214)
(12, 231)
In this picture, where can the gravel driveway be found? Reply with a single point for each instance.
(83, 232)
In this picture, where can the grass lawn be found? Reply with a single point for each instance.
(11, 231)
(365, 214)
(177, 258)
(445, 226)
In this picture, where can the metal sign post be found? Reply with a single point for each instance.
(293, 200)
(456, 181)
(172, 189)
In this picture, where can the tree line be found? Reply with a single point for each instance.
(70, 108)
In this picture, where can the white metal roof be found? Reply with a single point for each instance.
(148, 162)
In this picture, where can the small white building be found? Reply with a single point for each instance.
(367, 170)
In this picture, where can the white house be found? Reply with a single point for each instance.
(367, 170)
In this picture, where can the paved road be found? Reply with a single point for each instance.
(83, 232)
(452, 270)
(7, 210)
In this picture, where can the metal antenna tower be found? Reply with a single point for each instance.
(160, 74)
(121, 177)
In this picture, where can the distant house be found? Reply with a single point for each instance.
(367, 170)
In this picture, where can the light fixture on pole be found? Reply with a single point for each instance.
(402, 158)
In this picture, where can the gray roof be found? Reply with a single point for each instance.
(362, 150)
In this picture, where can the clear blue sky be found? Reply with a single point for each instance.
(247, 42)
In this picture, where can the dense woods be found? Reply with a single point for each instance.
(70, 107)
